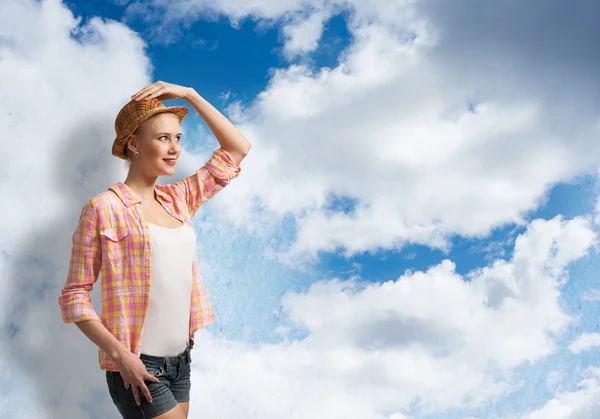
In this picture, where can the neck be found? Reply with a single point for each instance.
(142, 185)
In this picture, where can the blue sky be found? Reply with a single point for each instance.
(216, 57)
(212, 55)
(413, 233)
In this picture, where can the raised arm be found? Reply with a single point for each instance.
(224, 164)
(228, 136)
(208, 180)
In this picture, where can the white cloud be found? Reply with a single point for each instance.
(585, 342)
(63, 83)
(303, 35)
(58, 110)
(581, 404)
(421, 125)
(425, 342)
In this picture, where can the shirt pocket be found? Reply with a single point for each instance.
(114, 243)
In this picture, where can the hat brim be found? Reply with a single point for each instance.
(118, 148)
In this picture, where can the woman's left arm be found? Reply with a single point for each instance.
(228, 136)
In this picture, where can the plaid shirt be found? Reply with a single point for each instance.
(113, 239)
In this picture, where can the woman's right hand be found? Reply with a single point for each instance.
(134, 374)
(130, 366)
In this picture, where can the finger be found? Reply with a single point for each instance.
(136, 394)
(149, 94)
(150, 377)
(142, 93)
(154, 94)
(146, 393)
(125, 383)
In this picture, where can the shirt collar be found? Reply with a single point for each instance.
(129, 197)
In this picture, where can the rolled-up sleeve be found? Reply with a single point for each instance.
(218, 171)
(84, 267)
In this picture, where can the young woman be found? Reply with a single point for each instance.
(139, 236)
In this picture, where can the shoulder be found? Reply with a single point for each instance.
(102, 204)
(104, 199)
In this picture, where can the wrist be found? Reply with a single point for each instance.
(118, 353)
(190, 92)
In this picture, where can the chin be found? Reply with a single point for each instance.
(168, 172)
(166, 169)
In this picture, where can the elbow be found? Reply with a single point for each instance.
(246, 149)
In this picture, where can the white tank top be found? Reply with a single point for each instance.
(166, 327)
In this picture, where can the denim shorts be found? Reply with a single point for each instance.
(174, 386)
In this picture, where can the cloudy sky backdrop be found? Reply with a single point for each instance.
(414, 234)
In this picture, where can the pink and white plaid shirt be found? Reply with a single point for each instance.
(112, 239)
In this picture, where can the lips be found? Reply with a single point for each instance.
(172, 162)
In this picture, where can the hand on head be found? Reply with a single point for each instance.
(161, 91)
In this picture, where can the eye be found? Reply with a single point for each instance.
(178, 138)
(163, 137)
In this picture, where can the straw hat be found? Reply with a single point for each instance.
(133, 115)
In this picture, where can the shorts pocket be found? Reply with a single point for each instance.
(157, 369)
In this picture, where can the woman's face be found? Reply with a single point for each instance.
(157, 141)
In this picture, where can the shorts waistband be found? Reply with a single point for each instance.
(183, 356)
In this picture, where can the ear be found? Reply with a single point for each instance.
(132, 144)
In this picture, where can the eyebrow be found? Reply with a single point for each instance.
(166, 133)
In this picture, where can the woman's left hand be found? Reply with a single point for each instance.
(161, 91)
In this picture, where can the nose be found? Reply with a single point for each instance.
(175, 147)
